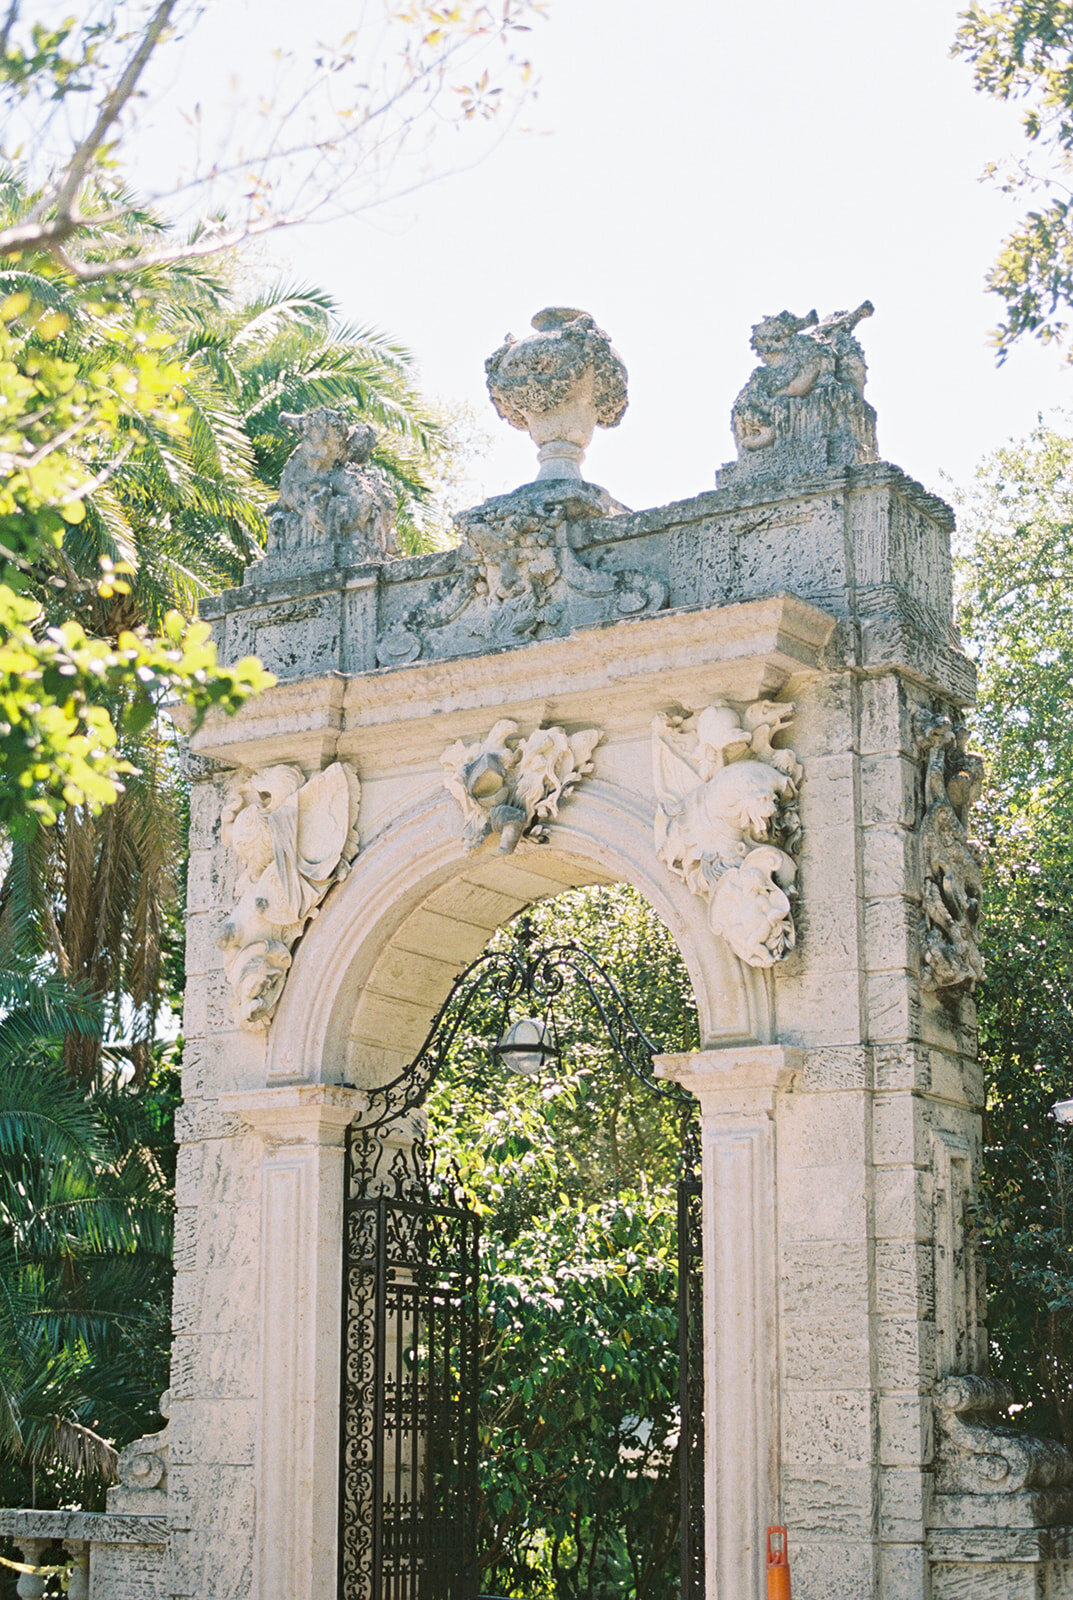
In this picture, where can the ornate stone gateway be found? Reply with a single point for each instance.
(410, 1337)
(749, 705)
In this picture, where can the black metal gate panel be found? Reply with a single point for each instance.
(691, 1379)
(408, 1507)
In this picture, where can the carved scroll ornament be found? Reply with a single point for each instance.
(727, 822)
(508, 785)
(981, 1453)
(950, 862)
(516, 567)
(293, 838)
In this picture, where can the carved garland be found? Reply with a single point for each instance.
(727, 822)
(508, 785)
(516, 564)
(293, 838)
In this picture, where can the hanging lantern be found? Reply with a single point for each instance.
(526, 1047)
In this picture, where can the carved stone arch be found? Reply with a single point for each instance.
(381, 957)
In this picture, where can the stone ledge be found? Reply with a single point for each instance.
(999, 1546)
(972, 1516)
(743, 651)
(94, 1527)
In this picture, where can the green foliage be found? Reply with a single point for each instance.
(85, 1270)
(575, 1176)
(1017, 579)
(592, 1129)
(1022, 50)
(168, 486)
(57, 418)
(579, 1409)
(58, 742)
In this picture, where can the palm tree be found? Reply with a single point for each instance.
(85, 1228)
(182, 509)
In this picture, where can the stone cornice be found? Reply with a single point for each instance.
(298, 1114)
(743, 651)
(737, 1081)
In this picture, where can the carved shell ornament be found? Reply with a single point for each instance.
(293, 838)
(727, 821)
(508, 785)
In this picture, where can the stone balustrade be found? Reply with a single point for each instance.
(89, 1542)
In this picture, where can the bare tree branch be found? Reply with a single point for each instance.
(300, 172)
(111, 107)
(9, 22)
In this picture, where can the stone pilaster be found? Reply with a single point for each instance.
(297, 1451)
(737, 1089)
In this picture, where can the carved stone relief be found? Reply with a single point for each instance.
(329, 495)
(804, 408)
(508, 785)
(142, 1469)
(950, 862)
(960, 1341)
(516, 567)
(981, 1453)
(293, 838)
(558, 385)
(727, 822)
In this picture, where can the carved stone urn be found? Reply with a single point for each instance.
(558, 385)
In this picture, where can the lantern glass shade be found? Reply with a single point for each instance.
(526, 1047)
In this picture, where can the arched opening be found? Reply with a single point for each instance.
(380, 959)
(520, 1432)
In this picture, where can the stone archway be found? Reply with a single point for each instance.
(802, 878)
(409, 1516)
(375, 966)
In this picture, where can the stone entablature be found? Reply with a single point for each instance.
(866, 543)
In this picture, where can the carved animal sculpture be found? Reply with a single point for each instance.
(328, 494)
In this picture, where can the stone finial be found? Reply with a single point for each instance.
(559, 385)
(803, 410)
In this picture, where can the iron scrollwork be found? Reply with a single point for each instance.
(524, 980)
(409, 1392)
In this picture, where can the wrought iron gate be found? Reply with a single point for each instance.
(691, 1373)
(410, 1379)
(409, 1471)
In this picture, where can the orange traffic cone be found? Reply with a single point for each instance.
(778, 1565)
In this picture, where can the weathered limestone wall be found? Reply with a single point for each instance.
(875, 1284)
(866, 542)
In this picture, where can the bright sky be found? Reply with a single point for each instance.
(688, 168)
